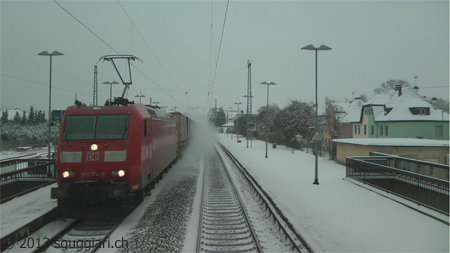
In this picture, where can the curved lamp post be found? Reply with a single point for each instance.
(321, 48)
(140, 97)
(267, 105)
(45, 53)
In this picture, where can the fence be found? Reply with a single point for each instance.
(21, 181)
(425, 190)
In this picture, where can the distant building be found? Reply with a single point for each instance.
(340, 117)
(402, 113)
(426, 150)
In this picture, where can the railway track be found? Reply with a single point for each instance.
(257, 195)
(86, 235)
(224, 225)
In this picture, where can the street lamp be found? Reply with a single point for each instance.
(110, 88)
(321, 48)
(140, 97)
(249, 99)
(45, 53)
(237, 132)
(267, 105)
(238, 106)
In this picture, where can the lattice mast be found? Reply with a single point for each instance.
(249, 88)
(95, 96)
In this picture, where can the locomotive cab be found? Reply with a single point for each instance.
(108, 155)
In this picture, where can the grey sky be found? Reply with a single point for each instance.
(371, 41)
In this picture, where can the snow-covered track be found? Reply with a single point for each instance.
(296, 240)
(224, 225)
(85, 235)
(24, 231)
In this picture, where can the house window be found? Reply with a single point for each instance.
(420, 111)
(372, 130)
(386, 130)
(355, 129)
(439, 131)
(365, 129)
(381, 130)
(359, 129)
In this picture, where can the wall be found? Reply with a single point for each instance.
(424, 153)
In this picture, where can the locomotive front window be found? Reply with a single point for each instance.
(79, 127)
(112, 127)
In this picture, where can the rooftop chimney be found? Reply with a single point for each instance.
(398, 87)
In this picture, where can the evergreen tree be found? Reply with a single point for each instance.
(17, 118)
(4, 118)
(24, 118)
(32, 117)
(220, 117)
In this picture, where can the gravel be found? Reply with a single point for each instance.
(162, 228)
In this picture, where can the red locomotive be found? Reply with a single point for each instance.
(112, 154)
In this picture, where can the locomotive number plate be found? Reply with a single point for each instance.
(93, 156)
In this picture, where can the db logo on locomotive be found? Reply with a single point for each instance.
(93, 156)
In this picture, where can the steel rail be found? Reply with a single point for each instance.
(223, 225)
(288, 230)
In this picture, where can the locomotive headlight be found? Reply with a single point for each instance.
(67, 174)
(94, 147)
(114, 173)
(121, 173)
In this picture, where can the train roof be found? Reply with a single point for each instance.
(138, 108)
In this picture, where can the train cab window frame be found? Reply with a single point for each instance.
(96, 127)
(112, 127)
(79, 127)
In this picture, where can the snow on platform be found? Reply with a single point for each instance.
(24, 209)
(338, 215)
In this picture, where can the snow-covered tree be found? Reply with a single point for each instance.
(240, 124)
(295, 119)
(390, 85)
(220, 117)
(266, 122)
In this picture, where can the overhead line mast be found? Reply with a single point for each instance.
(249, 88)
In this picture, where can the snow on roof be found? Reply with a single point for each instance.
(401, 106)
(353, 112)
(396, 142)
(379, 99)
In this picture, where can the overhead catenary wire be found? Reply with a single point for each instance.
(116, 50)
(218, 56)
(146, 43)
(86, 27)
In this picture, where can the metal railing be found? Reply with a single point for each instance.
(426, 168)
(15, 183)
(378, 171)
(43, 170)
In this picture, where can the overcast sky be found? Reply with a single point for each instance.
(371, 41)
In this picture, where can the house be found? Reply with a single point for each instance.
(402, 113)
(340, 119)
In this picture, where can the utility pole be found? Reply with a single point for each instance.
(249, 94)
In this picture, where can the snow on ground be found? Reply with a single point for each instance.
(22, 210)
(337, 215)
